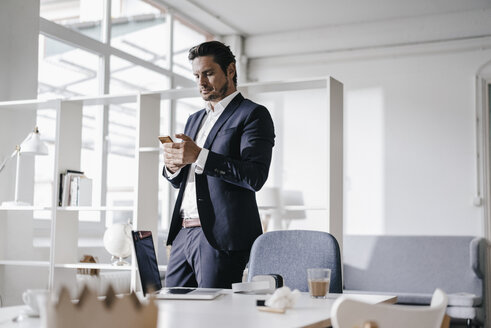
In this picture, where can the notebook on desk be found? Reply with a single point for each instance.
(150, 276)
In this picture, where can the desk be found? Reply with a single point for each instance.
(228, 310)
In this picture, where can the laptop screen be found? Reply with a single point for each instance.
(147, 261)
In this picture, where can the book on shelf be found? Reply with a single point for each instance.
(75, 189)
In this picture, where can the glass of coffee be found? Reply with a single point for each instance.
(319, 281)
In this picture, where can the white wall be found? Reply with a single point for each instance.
(19, 30)
(410, 165)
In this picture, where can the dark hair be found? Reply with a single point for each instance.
(222, 55)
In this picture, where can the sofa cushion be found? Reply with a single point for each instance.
(411, 264)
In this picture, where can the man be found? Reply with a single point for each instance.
(223, 159)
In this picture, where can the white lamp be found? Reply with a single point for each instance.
(32, 145)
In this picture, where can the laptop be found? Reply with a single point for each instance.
(150, 275)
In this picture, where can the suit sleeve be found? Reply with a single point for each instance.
(176, 181)
(256, 147)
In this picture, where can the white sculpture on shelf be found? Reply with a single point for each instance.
(117, 241)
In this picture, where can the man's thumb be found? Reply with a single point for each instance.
(183, 137)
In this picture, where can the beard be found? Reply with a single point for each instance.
(219, 95)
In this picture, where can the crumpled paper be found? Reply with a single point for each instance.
(283, 298)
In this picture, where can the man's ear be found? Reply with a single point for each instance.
(231, 70)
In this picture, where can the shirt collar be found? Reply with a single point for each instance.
(221, 105)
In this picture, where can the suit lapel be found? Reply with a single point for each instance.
(229, 110)
(193, 130)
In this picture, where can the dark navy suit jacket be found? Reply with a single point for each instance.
(241, 144)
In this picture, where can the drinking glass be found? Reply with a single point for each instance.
(319, 280)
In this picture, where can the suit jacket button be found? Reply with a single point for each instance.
(201, 200)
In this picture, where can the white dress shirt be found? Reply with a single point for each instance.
(189, 207)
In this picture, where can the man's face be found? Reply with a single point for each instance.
(213, 83)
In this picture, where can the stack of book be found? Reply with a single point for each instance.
(75, 189)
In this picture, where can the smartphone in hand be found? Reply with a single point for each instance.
(165, 139)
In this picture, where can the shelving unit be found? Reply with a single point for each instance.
(63, 255)
(68, 144)
(63, 250)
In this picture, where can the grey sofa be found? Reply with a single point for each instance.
(411, 267)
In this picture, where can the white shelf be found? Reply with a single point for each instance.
(30, 104)
(100, 266)
(149, 149)
(94, 208)
(107, 99)
(67, 208)
(25, 263)
(304, 208)
(25, 208)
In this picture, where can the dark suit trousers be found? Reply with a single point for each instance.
(195, 263)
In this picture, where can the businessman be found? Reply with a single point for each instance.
(222, 160)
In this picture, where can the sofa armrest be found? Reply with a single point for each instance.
(464, 300)
(478, 249)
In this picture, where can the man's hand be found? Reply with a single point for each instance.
(177, 155)
(173, 168)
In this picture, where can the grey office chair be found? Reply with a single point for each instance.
(291, 252)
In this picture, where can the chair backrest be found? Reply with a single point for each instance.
(348, 313)
(291, 252)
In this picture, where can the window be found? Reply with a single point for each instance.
(66, 71)
(185, 37)
(83, 16)
(130, 78)
(143, 36)
(138, 54)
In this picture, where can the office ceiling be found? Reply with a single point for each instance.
(255, 17)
